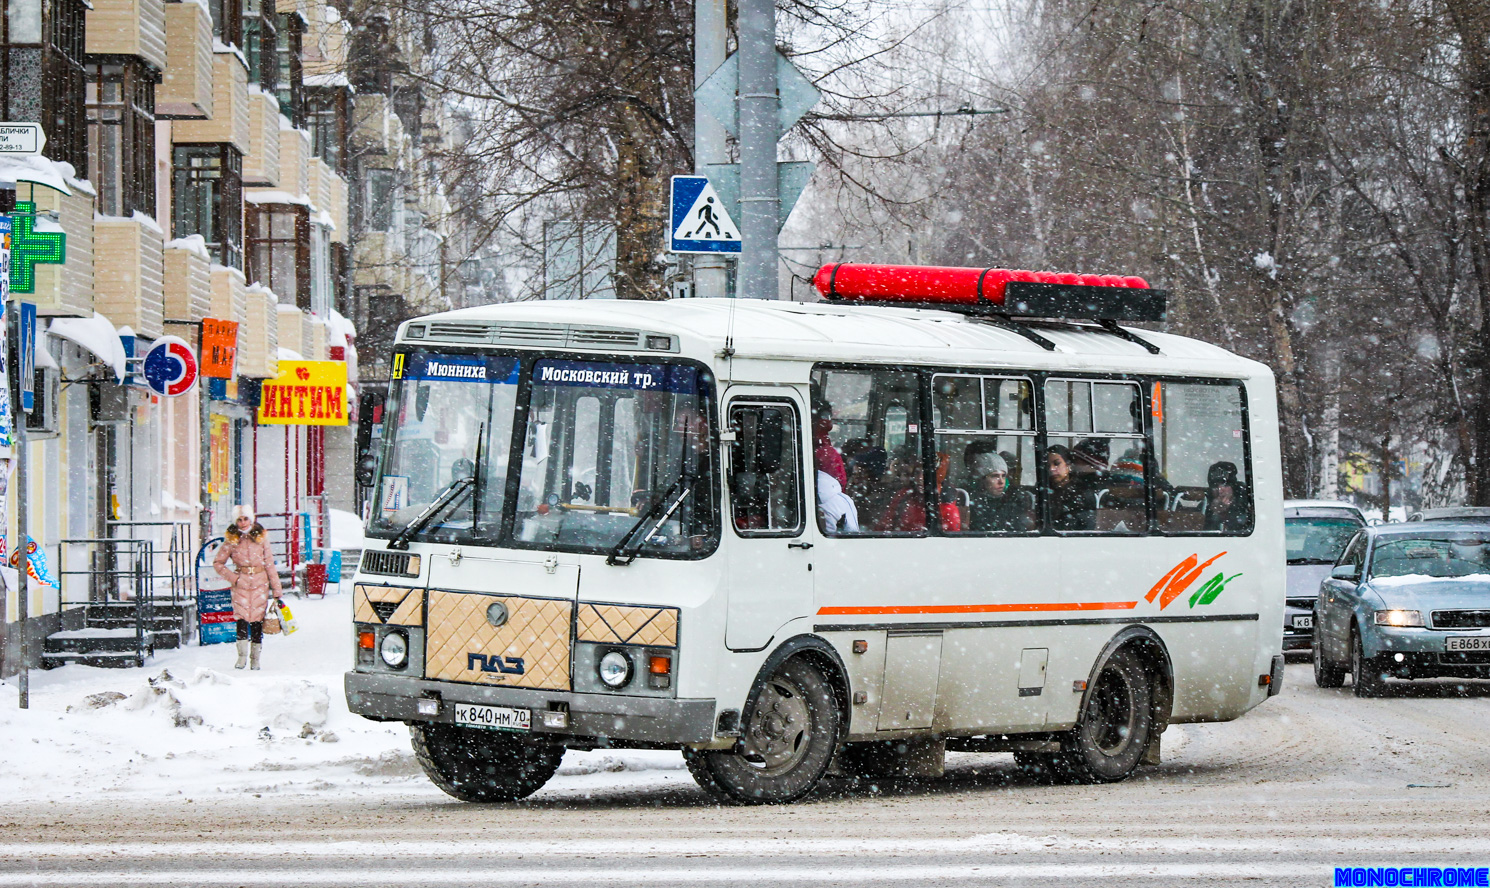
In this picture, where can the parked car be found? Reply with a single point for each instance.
(1317, 531)
(1405, 601)
(1452, 513)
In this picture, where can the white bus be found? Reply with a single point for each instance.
(797, 540)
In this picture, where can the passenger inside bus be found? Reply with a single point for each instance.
(1226, 505)
(992, 505)
(906, 512)
(836, 510)
(1072, 503)
(825, 456)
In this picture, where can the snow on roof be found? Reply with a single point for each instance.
(347, 328)
(36, 170)
(43, 354)
(96, 335)
(822, 331)
(289, 354)
(272, 196)
(335, 79)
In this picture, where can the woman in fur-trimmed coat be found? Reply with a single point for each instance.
(253, 577)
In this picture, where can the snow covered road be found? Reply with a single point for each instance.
(208, 776)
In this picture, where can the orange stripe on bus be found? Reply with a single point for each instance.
(978, 608)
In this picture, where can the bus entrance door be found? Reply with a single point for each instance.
(770, 557)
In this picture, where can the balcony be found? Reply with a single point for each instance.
(66, 288)
(376, 130)
(185, 90)
(230, 121)
(338, 208)
(258, 340)
(188, 280)
(294, 163)
(292, 329)
(128, 27)
(315, 334)
(327, 39)
(229, 295)
(132, 252)
(261, 162)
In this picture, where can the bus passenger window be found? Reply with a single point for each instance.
(1095, 456)
(985, 442)
(870, 419)
(1200, 450)
(765, 470)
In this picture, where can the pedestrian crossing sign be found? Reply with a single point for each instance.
(700, 223)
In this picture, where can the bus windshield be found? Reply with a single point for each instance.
(617, 454)
(451, 413)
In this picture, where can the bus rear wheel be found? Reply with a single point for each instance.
(1115, 725)
(785, 747)
(476, 765)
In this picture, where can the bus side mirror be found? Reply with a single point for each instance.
(1345, 572)
(770, 441)
(367, 470)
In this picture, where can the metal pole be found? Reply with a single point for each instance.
(204, 451)
(23, 603)
(710, 31)
(759, 130)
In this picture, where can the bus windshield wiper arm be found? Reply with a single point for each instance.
(625, 551)
(446, 497)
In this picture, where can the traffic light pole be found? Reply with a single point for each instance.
(759, 130)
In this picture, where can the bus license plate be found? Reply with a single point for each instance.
(1467, 643)
(1303, 622)
(496, 717)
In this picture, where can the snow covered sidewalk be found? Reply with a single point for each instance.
(189, 726)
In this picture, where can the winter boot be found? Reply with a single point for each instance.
(243, 654)
(253, 662)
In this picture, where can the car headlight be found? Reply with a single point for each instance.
(614, 669)
(1399, 618)
(394, 650)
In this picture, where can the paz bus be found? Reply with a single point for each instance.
(942, 510)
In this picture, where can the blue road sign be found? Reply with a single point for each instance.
(700, 221)
(26, 355)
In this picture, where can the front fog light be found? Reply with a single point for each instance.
(614, 669)
(1399, 618)
(394, 650)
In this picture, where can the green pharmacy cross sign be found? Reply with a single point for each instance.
(29, 247)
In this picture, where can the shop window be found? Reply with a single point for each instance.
(1200, 451)
(278, 244)
(1095, 460)
(121, 133)
(207, 190)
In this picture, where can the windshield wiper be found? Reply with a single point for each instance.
(1311, 561)
(625, 551)
(446, 497)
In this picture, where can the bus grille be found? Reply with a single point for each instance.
(1461, 619)
(606, 338)
(392, 564)
(460, 332)
(529, 649)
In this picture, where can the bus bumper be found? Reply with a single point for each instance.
(599, 716)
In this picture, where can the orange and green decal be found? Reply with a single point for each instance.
(1183, 575)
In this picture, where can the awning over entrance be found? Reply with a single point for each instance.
(96, 335)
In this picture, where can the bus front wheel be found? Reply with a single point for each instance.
(477, 765)
(786, 745)
(1115, 724)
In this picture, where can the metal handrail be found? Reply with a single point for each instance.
(112, 575)
(178, 556)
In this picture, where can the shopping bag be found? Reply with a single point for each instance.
(271, 618)
(286, 619)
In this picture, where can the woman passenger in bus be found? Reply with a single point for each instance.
(837, 511)
(993, 506)
(907, 510)
(1226, 502)
(1072, 504)
(825, 457)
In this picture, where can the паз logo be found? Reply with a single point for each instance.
(1182, 575)
(494, 663)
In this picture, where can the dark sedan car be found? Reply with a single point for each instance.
(1406, 601)
(1316, 532)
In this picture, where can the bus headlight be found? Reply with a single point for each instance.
(394, 650)
(614, 669)
(1399, 618)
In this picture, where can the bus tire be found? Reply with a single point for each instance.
(1366, 676)
(1115, 724)
(1326, 673)
(786, 745)
(476, 765)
